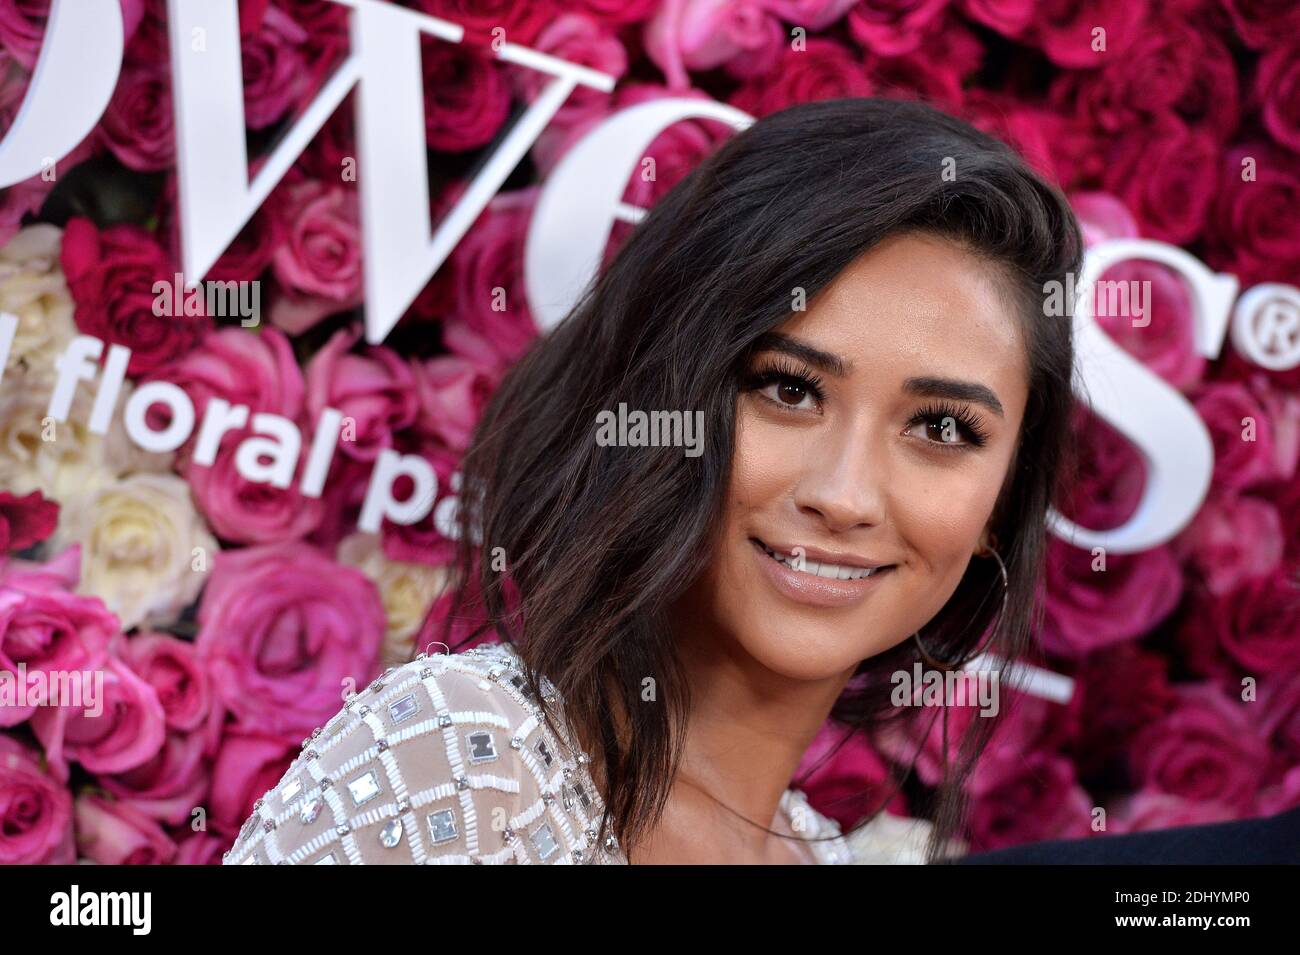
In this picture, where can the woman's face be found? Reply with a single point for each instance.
(875, 430)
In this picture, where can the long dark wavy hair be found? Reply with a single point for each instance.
(599, 541)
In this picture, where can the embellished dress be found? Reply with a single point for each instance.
(445, 760)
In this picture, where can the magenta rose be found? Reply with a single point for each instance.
(623, 11)
(520, 21)
(1019, 797)
(1027, 129)
(1278, 717)
(111, 274)
(22, 26)
(1204, 750)
(453, 392)
(1089, 608)
(894, 27)
(1066, 29)
(1008, 17)
(1277, 86)
(1245, 434)
(25, 520)
(122, 729)
(137, 126)
(250, 512)
(825, 70)
(375, 391)
(274, 68)
(849, 782)
(35, 810)
(249, 764)
(1118, 689)
(171, 666)
(317, 257)
(284, 631)
(1151, 810)
(257, 370)
(1233, 538)
(1262, 23)
(170, 785)
(578, 39)
(1254, 227)
(937, 71)
(423, 542)
(466, 95)
(47, 629)
(1172, 205)
(111, 832)
(1281, 796)
(1255, 626)
(199, 848)
(488, 259)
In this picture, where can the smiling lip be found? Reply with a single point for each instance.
(816, 590)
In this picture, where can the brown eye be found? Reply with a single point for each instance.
(791, 393)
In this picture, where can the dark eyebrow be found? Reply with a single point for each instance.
(956, 390)
(821, 360)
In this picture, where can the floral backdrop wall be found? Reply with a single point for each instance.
(227, 615)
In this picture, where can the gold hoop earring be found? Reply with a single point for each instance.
(954, 664)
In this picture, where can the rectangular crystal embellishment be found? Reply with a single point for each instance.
(326, 860)
(544, 842)
(291, 790)
(442, 825)
(404, 708)
(364, 788)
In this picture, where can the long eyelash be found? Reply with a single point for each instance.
(780, 370)
(963, 416)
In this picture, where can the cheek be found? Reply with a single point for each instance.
(765, 463)
(942, 517)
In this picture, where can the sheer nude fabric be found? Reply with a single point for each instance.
(444, 760)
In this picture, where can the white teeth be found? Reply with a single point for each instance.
(818, 569)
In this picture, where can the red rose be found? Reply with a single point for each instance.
(111, 274)
(1164, 172)
(137, 126)
(466, 96)
(1277, 86)
(825, 70)
(1019, 797)
(1261, 23)
(1254, 227)
(26, 520)
(520, 21)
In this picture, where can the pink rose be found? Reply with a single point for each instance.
(26, 520)
(846, 782)
(168, 786)
(1173, 205)
(1282, 796)
(1250, 631)
(111, 274)
(1019, 797)
(620, 11)
(1066, 30)
(137, 126)
(1255, 221)
(274, 71)
(248, 765)
(1089, 608)
(1277, 86)
(422, 542)
(1118, 690)
(284, 631)
(1027, 129)
(1151, 810)
(35, 810)
(199, 848)
(375, 391)
(1232, 539)
(124, 728)
(491, 257)
(115, 833)
(1278, 717)
(706, 34)
(946, 56)
(171, 666)
(466, 95)
(48, 630)
(825, 70)
(1205, 750)
(317, 257)
(1103, 217)
(251, 512)
(894, 27)
(520, 21)
(257, 370)
(452, 393)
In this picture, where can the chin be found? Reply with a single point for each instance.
(796, 648)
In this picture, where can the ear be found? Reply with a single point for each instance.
(988, 542)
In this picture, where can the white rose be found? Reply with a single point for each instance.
(63, 459)
(32, 288)
(894, 840)
(144, 549)
(407, 590)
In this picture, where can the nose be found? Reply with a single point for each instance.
(844, 479)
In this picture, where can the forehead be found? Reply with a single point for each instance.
(919, 304)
